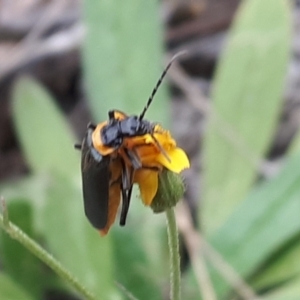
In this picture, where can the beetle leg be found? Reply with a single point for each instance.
(162, 150)
(151, 168)
(126, 195)
(126, 188)
(111, 114)
(126, 178)
(134, 159)
(91, 126)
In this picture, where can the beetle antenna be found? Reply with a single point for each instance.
(159, 83)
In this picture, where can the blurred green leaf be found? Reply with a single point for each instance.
(73, 240)
(48, 145)
(133, 268)
(262, 224)
(289, 291)
(20, 264)
(10, 290)
(281, 267)
(31, 189)
(294, 147)
(141, 266)
(190, 286)
(122, 55)
(42, 130)
(246, 99)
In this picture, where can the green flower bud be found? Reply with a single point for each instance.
(170, 190)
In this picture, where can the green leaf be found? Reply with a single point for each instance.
(261, 225)
(246, 101)
(190, 285)
(73, 240)
(294, 147)
(42, 130)
(122, 56)
(10, 290)
(31, 189)
(280, 267)
(48, 145)
(290, 291)
(141, 264)
(20, 264)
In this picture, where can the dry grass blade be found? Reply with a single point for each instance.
(194, 242)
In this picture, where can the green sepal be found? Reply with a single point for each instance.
(170, 190)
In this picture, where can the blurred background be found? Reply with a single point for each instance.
(232, 103)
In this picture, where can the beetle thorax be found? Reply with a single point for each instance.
(132, 126)
(115, 131)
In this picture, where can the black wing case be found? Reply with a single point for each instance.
(95, 182)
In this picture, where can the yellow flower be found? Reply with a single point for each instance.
(155, 153)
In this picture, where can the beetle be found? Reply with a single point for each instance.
(95, 179)
(101, 165)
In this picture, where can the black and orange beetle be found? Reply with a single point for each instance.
(105, 169)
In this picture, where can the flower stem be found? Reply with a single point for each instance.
(16, 233)
(175, 280)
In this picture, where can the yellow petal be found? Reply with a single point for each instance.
(179, 160)
(163, 137)
(148, 182)
(159, 152)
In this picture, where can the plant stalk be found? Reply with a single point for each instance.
(175, 276)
